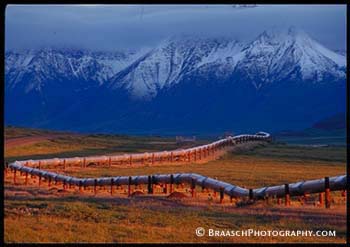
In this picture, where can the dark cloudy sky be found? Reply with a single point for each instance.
(108, 27)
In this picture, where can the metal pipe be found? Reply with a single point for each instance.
(203, 150)
(327, 192)
(294, 189)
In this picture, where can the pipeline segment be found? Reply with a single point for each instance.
(296, 189)
(155, 156)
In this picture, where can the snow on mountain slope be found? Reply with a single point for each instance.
(287, 55)
(339, 59)
(192, 82)
(34, 68)
(173, 59)
(224, 51)
(274, 56)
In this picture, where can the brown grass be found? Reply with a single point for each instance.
(35, 214)
(85, 145)
(156, 219)
(234, 168)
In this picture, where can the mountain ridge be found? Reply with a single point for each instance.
(205, 79)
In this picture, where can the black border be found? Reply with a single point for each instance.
(319, 2)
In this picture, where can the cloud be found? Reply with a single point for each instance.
(111, 27)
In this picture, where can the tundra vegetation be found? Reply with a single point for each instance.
(35, 214)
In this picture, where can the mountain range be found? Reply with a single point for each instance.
(283, 79)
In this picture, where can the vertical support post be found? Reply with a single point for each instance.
(200, 154)
(109, 162)
(165, 190)
(14, 176)
(171, 157)
(26, 179)
(112, 183)
(130, 159)
(301, 200)
(320, 198)
(279, 201)
(221, 195)
(39, 165)
(327, 192)
(39, 180)
(150, 185)
(84, 162)
(195, 155)
(171, 183)
(129, 186)
(6, 168)
(193, 187)
(152, 162)
(251, 194)
(189, 156)
(95, 186)
(343, 193)
(286, 195)
(64, 164)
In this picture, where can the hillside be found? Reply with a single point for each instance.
(328, 131)
(185, 84)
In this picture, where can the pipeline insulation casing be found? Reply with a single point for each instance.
(299, 188)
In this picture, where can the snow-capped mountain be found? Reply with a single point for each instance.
(272, 56)
(224, 75)
(39, 67)
(289, 55)
(171, 61)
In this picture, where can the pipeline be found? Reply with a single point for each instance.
(190, 154)
(293, 189)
